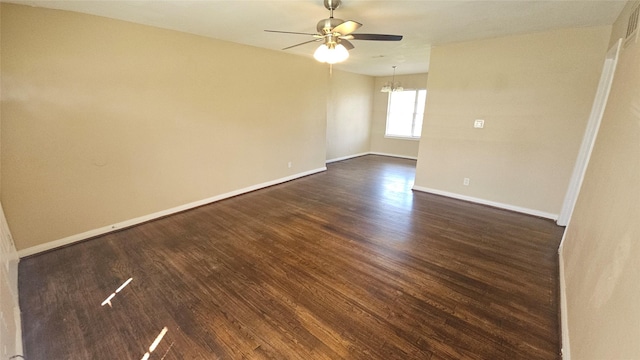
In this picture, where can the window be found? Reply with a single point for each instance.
(405, 113)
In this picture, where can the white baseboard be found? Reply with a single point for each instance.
(18, 319)
(370, 153)
(564, 317)
(139, 220)
(393, 155)
(488, 202)
(346, 157)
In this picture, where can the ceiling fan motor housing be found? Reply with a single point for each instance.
(326, 25)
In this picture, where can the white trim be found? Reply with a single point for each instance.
(347, 157)
(565, 351)
(370, 153)
(488, 202)
(9, 260)
(393, 155)
(590, 134)
(139, 220)
(17, 316)
(398, 137)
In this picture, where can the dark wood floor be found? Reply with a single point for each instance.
(346, 264)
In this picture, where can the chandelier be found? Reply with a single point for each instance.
(392, 86)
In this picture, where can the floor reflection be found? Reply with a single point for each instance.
(395, 206)
(396, 190)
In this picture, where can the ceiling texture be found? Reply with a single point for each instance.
(422, 23)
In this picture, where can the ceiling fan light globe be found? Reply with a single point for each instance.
(338, 54)
(331, 54)
(321, 54)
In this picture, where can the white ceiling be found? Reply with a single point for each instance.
(423, 23)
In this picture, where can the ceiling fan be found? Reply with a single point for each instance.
(335, 35)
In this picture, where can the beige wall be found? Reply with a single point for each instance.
(105, 121)
(534, 92)
(602, 242)
(348, 114)
(380, 144)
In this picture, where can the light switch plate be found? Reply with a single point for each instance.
(478, 124)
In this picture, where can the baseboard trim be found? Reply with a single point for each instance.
(17, 315)
(488, 202)
(346, 157)
(393, 155)
(565, 351)
(370, 153)
(139, 220)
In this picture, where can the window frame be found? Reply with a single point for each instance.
(413, 120)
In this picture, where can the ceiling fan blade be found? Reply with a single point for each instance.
(347, 44)
(290, 32)
(302, 43)
(346, 27)
(377, 37)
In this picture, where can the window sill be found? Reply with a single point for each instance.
(402, 138)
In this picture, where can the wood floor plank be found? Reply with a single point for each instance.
(345, 264)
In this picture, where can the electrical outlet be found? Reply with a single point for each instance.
(478, 124)
(465, 182)
(289, 164)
